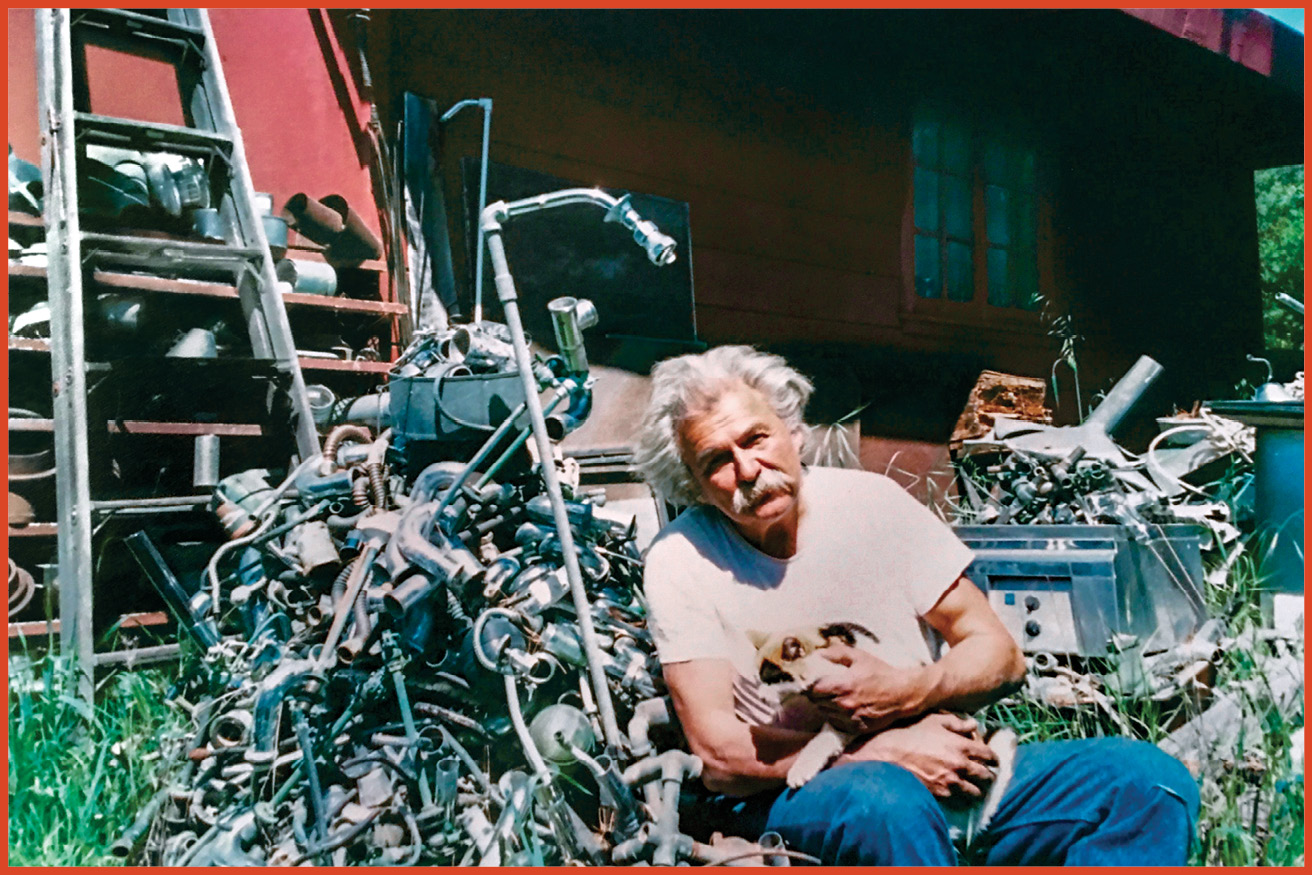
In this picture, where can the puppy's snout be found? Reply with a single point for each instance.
(771, 673)
(791, 649)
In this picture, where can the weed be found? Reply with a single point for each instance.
(78, 774)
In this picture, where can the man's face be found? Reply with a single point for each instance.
(744, 458)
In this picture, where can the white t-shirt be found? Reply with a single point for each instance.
(867, 553)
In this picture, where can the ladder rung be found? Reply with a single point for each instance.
(134, 24)
(153, 136)
(116, 247)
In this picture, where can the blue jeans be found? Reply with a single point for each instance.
(1092, 802)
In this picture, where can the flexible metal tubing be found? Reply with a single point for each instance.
(335, 437)
(373, 467)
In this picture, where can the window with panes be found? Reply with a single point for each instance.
(976, 214)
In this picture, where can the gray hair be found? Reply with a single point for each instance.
(687, 384)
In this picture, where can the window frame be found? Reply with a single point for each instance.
(978, 310)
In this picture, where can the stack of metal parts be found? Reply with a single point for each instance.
(399, 670)
(408, 681)
(1038, 474)
(1099, 548)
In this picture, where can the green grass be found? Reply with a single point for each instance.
(78, 774)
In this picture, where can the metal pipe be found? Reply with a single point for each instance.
(285, 790)
(166, 584)
(211, 568)
(521, 730)
(465, 757)
(519, 788)
(396, 667)
(569, 317)
(509, 300)
(359, 574)
(205, 466)
(446, 560)
(580, 405)
(1124, 395)
(659, 246)
(314, 221)
(519, 441)
(302, 727)
(1290, 302)
(648, 713)
(130, 841)
(486, 104)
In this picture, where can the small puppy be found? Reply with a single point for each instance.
(790, 663)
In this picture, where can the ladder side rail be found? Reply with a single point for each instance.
(68, 359)
(251, 229)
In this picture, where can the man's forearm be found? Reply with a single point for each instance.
(978, 671)
(739, 759)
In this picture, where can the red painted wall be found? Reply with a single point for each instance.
(298, 114)
(21, 84)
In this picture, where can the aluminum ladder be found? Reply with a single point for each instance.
(184, 38)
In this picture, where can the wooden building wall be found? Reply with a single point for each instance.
(788, 133)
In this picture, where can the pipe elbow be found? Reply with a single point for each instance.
(493, 215)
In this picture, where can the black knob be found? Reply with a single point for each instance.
(1032, 628)
(1031, 603)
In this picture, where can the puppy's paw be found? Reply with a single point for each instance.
(817, 754)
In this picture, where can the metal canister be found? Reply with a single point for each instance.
(308, 277)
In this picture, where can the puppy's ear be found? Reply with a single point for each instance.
(758, 638)
(847, 632)
(772, 674)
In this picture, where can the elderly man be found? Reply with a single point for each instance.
(771, 546)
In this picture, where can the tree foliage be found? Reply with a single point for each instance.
(1280, 248)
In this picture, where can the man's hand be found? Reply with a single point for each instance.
(868, 694)
(942, 750)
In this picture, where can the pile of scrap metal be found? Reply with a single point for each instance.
(417, 653)
(1043, 474)
(1088, 550)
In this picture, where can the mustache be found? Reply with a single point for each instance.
(770, 482)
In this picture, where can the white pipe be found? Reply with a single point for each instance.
(506, 292)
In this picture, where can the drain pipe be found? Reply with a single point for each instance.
(660, 249)
(485, 103)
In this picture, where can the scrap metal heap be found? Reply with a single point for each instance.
(1041, 474)
(1051, 489)
(419, 647)
(397, 675)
